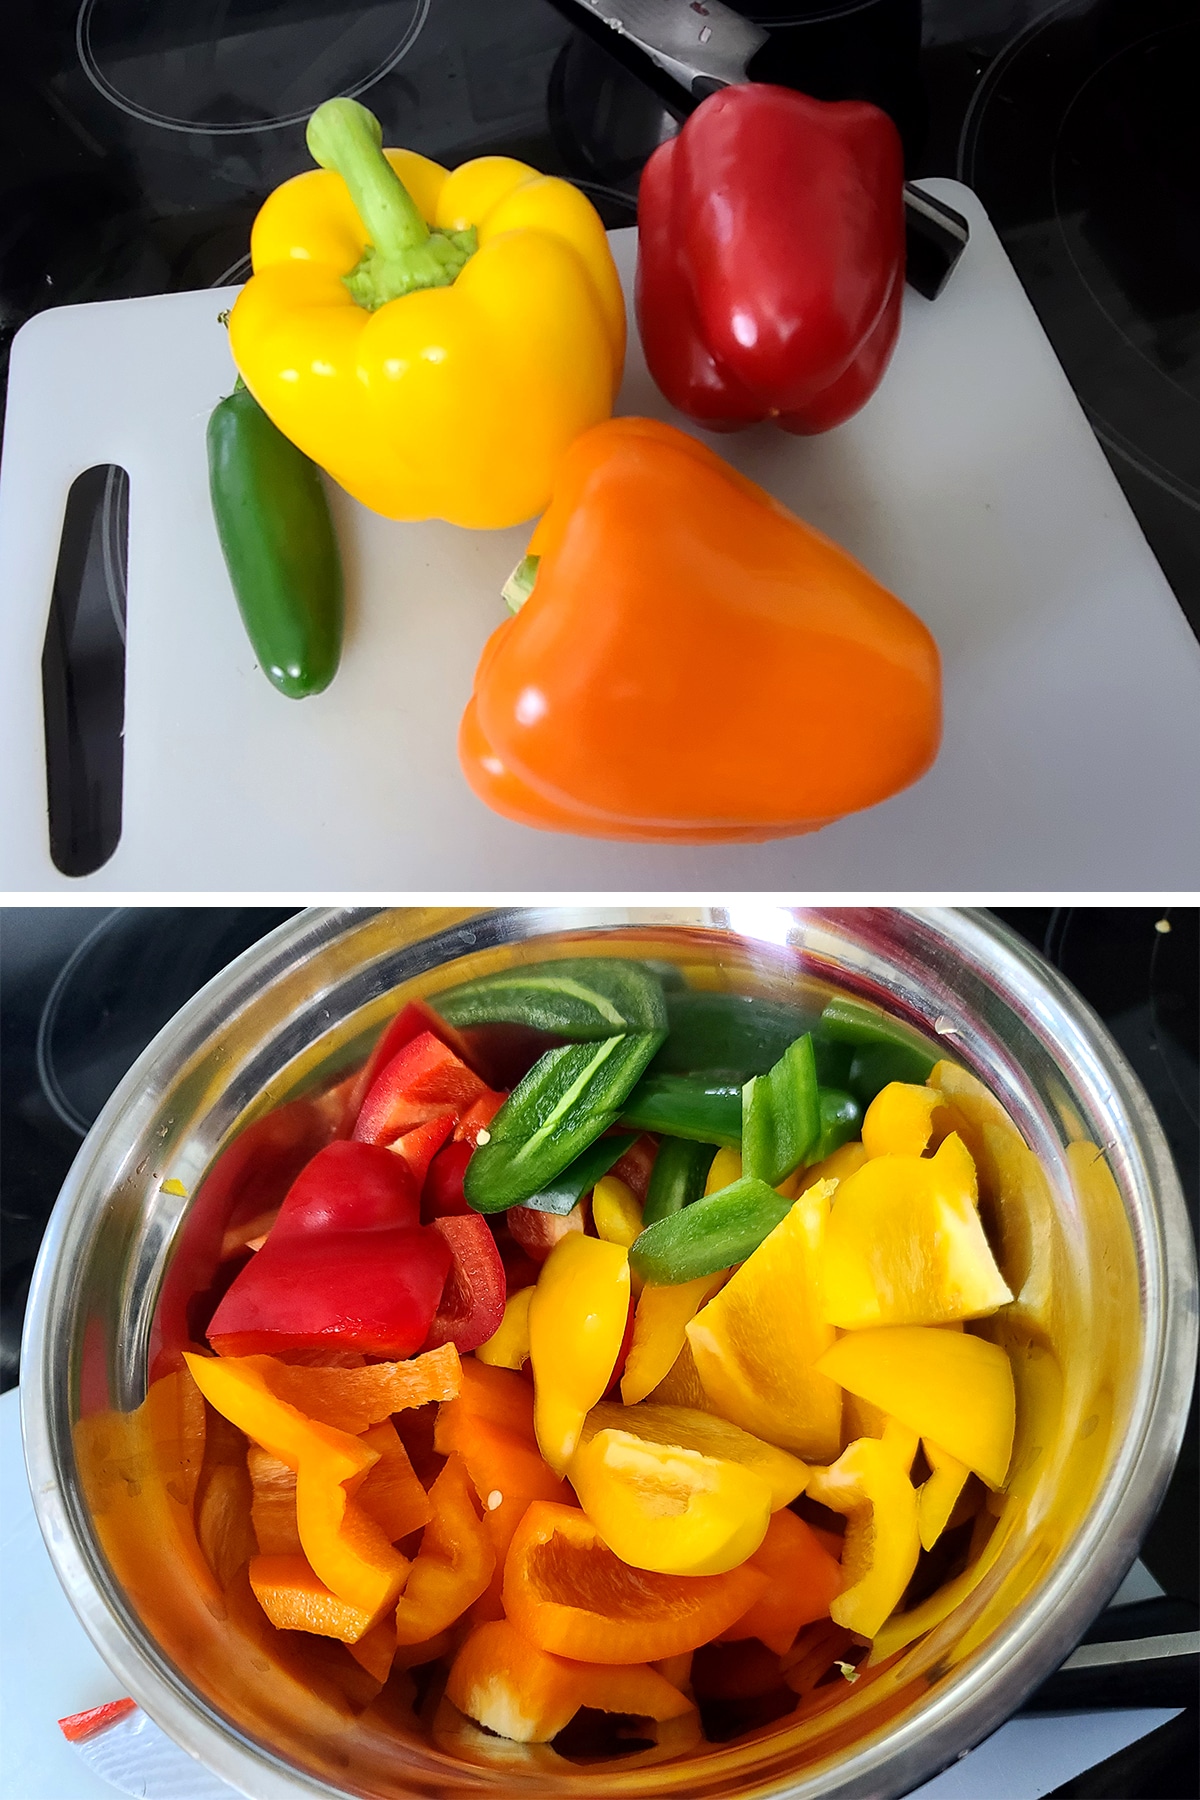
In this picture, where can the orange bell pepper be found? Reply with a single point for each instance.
(352, 1399)
(454, 1564)
(708, 697)
(272, 1504)
(346, 1548)
(501, 1457)
(525, 1694)
(804, 1581)
(567, 1593)
(391, 1493)
(294, 1600)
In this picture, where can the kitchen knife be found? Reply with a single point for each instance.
(688, 49)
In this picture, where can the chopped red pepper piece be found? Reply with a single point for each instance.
(419, 1146)
(346, 1263)
(442, 1196)
(479, 1116)
(421, 1080)
(409, 1023)
(771, 258)
(472, 1303)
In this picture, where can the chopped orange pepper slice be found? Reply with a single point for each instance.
(525, 1694)
(376, 1650)
(294, 1600)
(272, 1504)
(345, 1547)
(454, 1564)
(352, 1399)
(503, 1460)
(391, 1493)
(950, 1386)
(567, 1592)
(905, 1245)
(804, 1581)
(756, 1342)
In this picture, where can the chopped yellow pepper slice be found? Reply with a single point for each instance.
(899, 1120)
(667, 1508)
(938, 1496)
(577, 1319)
(684, 1426)
(870, 1486)
(659, 1326)
(950, 1386)
(724, 1170)
(905, 1245)
(616, 1211)
(508, 1346)
(756, 1342)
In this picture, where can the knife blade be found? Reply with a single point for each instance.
(688, 49)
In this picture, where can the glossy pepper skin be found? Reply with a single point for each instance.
(693, 663)
(771, 259)
(450, 401)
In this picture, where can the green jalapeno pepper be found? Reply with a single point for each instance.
(277, 537)
(581, 998)
(569, 1098)
(714, 1233)
(564, 1192)
(704, 1108)
(677, 1178)
(781, 1117)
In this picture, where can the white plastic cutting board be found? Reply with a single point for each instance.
(971, 485)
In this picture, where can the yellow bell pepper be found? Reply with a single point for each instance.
(667, 1508)
(686, 1428)
(434, 340)
(905, 1245)
(577, 1320)
(868, 1483)
(899, 1120)
(616, 1211)
(508, 1346)
(946, 1385)
(659, 1328)
(938, 1495)
(724, 1170)
(346, 1549)
(756, 1342)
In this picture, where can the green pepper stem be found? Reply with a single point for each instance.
(403, 254)
(345, 137)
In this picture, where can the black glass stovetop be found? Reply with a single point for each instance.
(84, 989)
(140, 136)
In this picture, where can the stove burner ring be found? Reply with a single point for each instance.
(86, 52)
(51, 1086)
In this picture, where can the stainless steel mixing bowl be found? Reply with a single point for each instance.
(1094, 1234)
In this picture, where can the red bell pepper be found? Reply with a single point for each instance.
(420, 1082)
(442, 1196)
(409, 1023)
(472, 1304)
(419, 1146)
(771, 258)
(346, 1264)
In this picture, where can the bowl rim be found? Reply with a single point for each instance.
(893, 1758)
